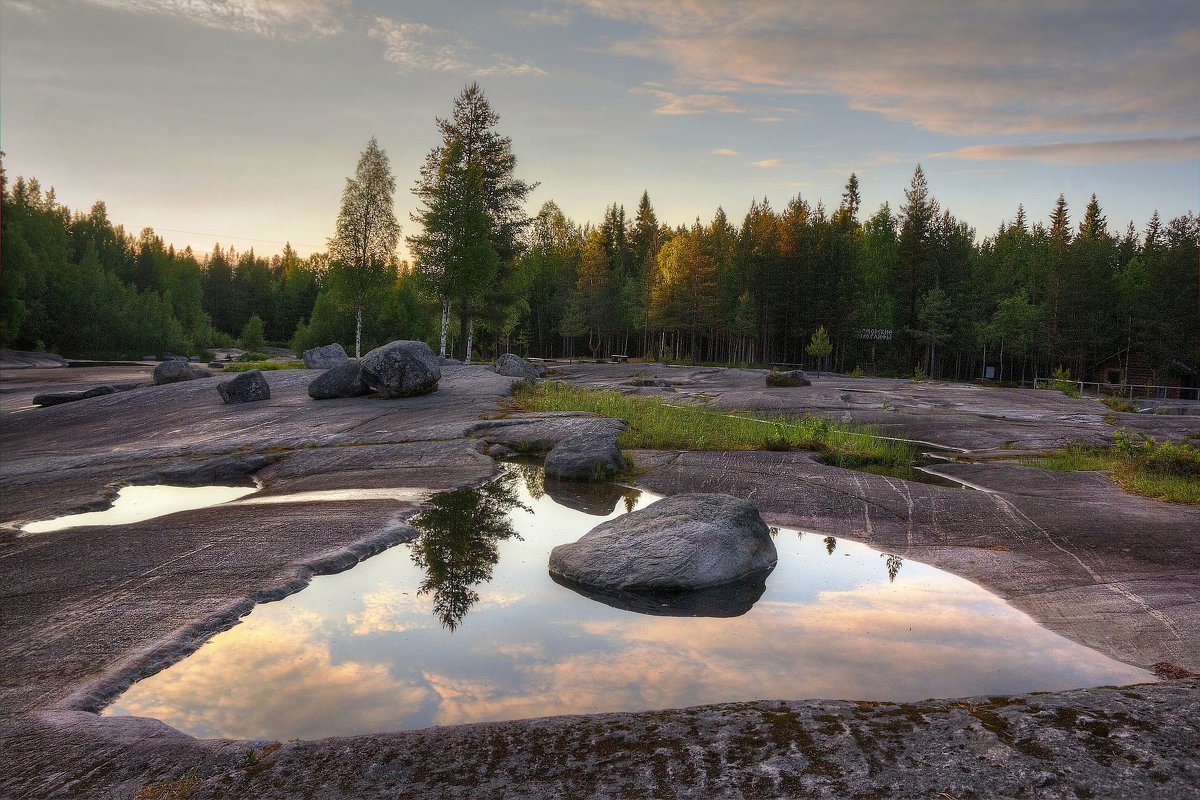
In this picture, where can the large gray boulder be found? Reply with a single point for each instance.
(245, 388)
(591, 456)
(402, 369)
(344, 380)
(327, 357)
(177, 370)
(685, 542)
(513, 366)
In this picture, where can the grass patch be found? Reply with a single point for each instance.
(1118, 404)
(656, 425)
(1159, 470)
(246, 366)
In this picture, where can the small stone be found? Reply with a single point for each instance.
(326, 357)
(247, 387)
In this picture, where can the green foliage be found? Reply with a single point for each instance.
(1060, 381)
(246, 366)
(657, 425)
(918, 375)
(251, 337)
(857, 372)
(1161, 470)
(1118, 404)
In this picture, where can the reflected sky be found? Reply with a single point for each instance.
(368, 650)
(138, 503)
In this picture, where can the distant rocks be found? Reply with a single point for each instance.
(449, 362)
(247, 387)
(513, 366)
(402, 369)
(681, 543)
(660, 383)
(26, 359)
(58, 398)
(591, 456)
(177, 370)
(344, 380)
(327, 357)
(795, 377)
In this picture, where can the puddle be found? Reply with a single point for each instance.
(138, 503)
(336, 495)
(466, 625)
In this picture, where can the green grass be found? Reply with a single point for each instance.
(656, 425)
(1159, 470)
(246, 366)
(1117, 404)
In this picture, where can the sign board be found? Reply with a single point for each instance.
(874, 334)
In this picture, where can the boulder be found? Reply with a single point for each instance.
(659, 383)
(591, 456)
(513, 366)
(402, 369)
(795, 377)
(175, 370)
(682, 543)
(344, 380)
(58, 398)
(326, 357)
(245, 388)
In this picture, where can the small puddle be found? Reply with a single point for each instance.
(466, 625)
(139, 503)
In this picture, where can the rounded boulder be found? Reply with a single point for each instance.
(402, 369)
(681, 543)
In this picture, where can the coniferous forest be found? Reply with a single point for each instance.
(895, 289)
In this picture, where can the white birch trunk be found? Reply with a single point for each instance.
(470, 336)
(358, 333)
(445, 326)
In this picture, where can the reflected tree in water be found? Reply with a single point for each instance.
(535, 479)
(830, 544)
(459, 544)
(894, 562)
(631, 500)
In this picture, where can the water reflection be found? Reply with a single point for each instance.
(894, 562)
(728, 600)
(830, 544)
(363, 651)
(140, 503)
(458, 547)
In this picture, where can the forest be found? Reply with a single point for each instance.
(895, 291)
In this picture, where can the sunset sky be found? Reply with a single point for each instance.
(239, 120)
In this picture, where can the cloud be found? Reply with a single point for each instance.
(724, 151)
(544, 17)
(770, 162)
(1068, 68)
(676, 104)
(285, 19)
(1093, 152)
(416, 47)
(766, 119)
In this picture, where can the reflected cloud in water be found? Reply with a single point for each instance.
(366, 650)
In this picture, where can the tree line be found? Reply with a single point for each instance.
(896, 291)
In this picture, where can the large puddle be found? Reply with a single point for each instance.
(466, 625)
(140, 503)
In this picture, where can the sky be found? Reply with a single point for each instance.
(239, 121)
